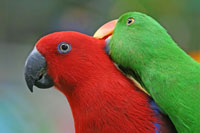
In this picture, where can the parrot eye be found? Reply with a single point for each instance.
(64, 47)
(130, 20)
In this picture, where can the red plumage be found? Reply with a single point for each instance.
(101, 98)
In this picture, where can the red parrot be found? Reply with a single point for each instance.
(101, 98)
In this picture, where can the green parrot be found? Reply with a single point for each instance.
(144, 50)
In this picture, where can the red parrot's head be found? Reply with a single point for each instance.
(63, 58)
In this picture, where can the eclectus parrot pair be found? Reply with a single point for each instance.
(144, 50)
(101, 98)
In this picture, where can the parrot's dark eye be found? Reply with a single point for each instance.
(130, 21)
(64, 47)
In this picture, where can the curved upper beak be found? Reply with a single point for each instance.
(106, 30)
(36, 71)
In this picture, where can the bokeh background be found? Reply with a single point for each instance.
(23, 22)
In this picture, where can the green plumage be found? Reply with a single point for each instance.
(170, 76)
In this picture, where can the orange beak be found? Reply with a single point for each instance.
(106, 30)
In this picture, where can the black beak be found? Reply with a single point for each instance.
(36, 71)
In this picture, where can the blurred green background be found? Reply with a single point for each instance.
(23, 22)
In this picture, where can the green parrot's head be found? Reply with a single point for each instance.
(136, 39)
